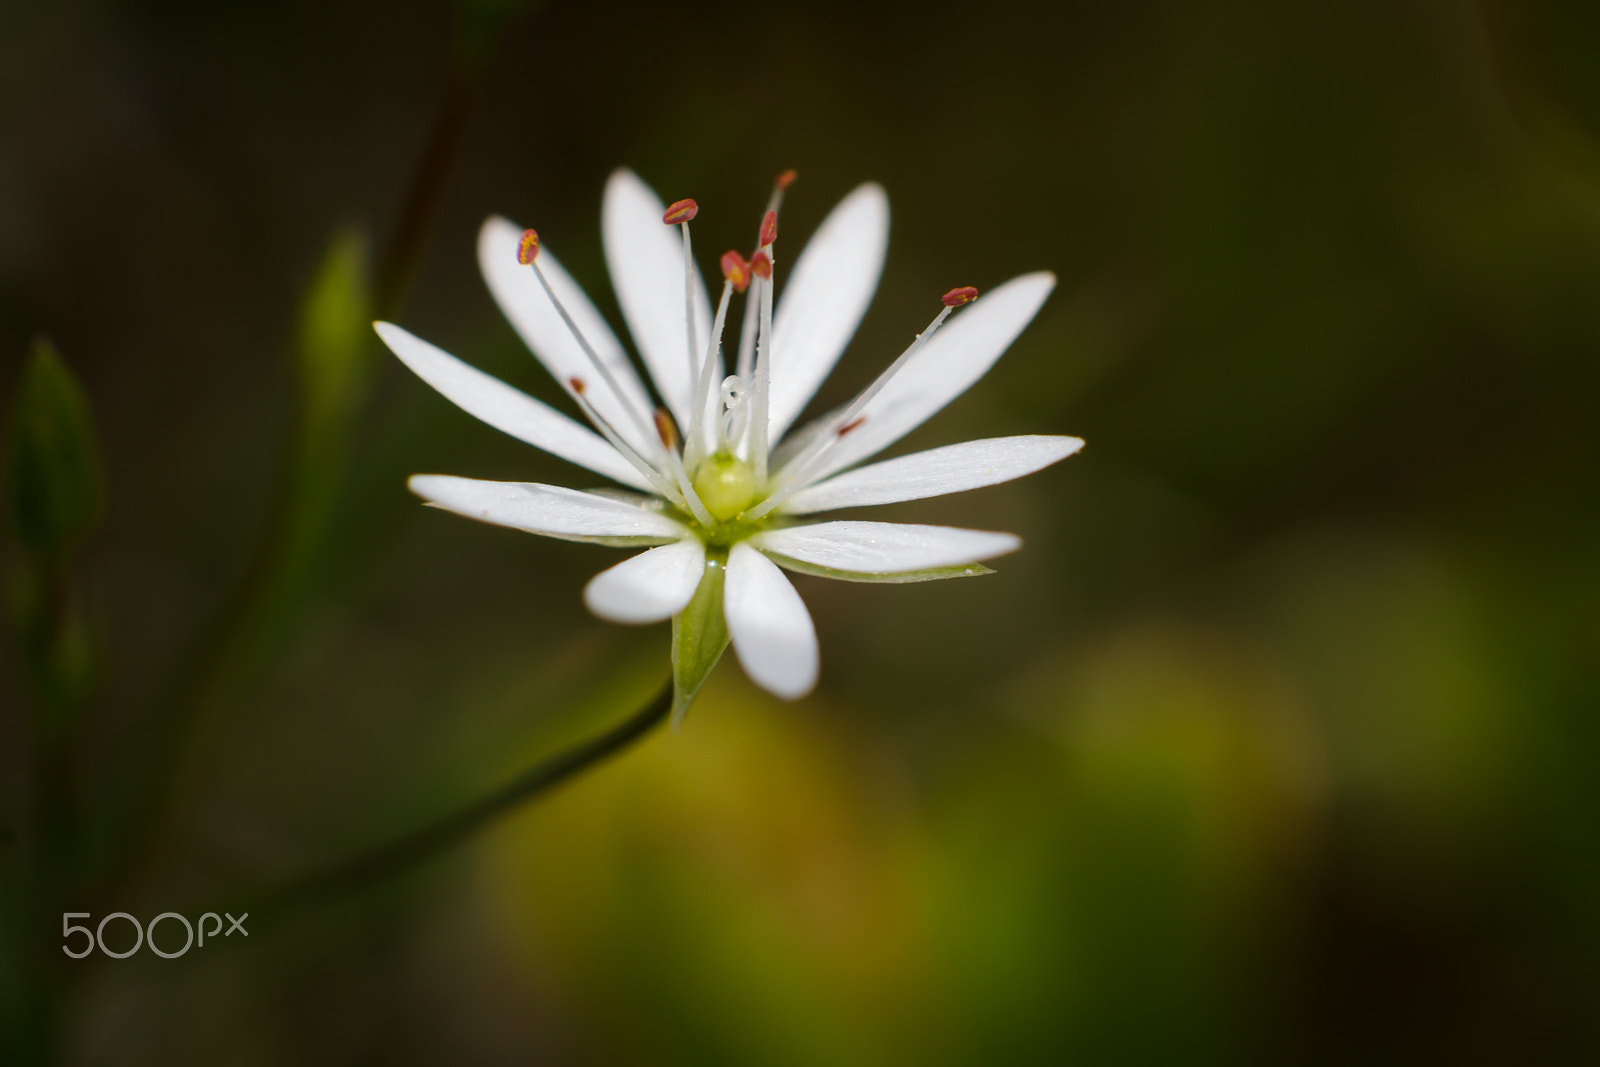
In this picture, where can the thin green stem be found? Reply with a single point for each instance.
(423, 844)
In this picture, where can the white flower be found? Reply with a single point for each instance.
(721, 500)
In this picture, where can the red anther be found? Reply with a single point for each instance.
(577, 385)
(761, 263)
(965, 294)
(852, 424)
(769, 228)
(681, 211)
(666, 429)
(736, 269)
(528, 247)
(786, 179)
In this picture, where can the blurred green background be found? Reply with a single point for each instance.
(1276, 743)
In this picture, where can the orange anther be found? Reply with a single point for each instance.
(965, 294)
(852, 424)
(681, 211)
(769, 228)
(577, 385)
(761, 263)
(786, 179)
(666, 429)
(528, 247)
(736, 270)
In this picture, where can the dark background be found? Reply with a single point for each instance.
(1275, 744)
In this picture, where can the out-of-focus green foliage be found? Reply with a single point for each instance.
(334, 351)
(334, 359)
(56, 485)
(56, 494)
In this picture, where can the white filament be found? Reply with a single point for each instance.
(594, 359)
(794, 474)
(695, 445)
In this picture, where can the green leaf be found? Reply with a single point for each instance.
(699, 637)
(335, 331)
(334, 359)
(932, 574)
(56, 483)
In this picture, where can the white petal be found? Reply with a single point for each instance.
(885, 547)
(645, 257)
(951, 469)
(823, 302)
(506, 409)
(769, 625)
(549, 509)
(957, 356)
(650, 587)
(523, 300)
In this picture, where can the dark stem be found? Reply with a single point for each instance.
(426, 192)
(407, 852)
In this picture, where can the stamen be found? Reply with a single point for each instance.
(752, 314)
(761, 264)
(669, 438)
(583, 342)
(666, 429)
(528, 247)
(747, 336)
(763, 385)
(660, 484)
(794, 476)
(679, 214)
(779, 185)
(900, 361)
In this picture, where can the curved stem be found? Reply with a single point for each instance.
(420, 845)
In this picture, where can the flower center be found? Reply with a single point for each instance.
(726, 484)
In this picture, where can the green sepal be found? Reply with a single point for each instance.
(931, 574)
(699, 637)
(56, 483)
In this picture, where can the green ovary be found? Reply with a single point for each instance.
(726, 485)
